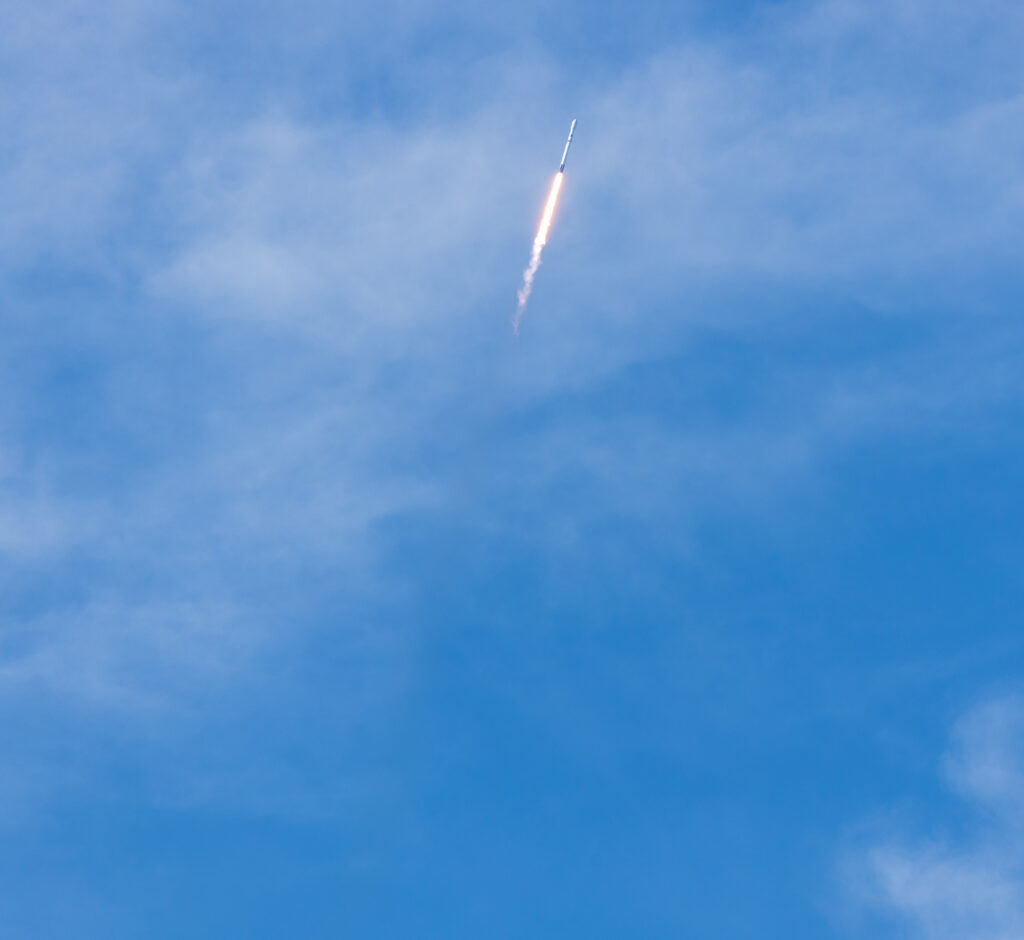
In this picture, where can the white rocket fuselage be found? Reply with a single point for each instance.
(565, 153)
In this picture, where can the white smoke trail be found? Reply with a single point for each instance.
(539, 241)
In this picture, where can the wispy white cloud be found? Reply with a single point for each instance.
(705, 166)
(138, 660)
(964, 882)
(359, 229)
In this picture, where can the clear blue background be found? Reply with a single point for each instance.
(329, 608)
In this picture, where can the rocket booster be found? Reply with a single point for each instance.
(565, 153)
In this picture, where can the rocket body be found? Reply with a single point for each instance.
(565, 153)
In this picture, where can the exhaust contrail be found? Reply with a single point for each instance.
(541, 238)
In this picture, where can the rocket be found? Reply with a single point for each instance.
(565, 153)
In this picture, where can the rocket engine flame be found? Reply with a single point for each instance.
(539, 241)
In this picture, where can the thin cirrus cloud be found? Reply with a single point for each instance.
(965, 884)
(697, 165)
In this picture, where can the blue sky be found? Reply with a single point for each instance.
(330, 608)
